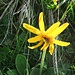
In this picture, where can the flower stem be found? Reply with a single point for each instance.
(42, 61)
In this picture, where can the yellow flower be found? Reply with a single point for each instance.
(47, 37)
(55, 2)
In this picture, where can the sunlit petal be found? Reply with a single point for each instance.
(53, 27)
(34, 39)
(31, 28)
(60, 29)
(55, 2)
(39, 44)
(41, 22)
(61, 43)
(45, 46)
(51, 48)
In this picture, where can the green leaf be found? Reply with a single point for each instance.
(2, 57)
(26, 72)
(49, 71)
(9, 72)
(12, 72)
(1, 73)
(35, 71)
(15, 72)
(20, 63)
(4, 50)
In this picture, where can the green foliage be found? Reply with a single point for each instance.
(1, 73)
(34, 71)
(22, 67)
(3, 52)
(49, 71)
(21, 64)
(12, 72)
(15, 57)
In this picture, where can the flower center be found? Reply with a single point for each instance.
(47, 38)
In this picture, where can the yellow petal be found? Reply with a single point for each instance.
(41, 22)
(53, 27)
(39, 44)
(34, 39)
(55, 2)
(51, 48)
(61, 43)
(31, 28)
(45, 46)
(57, 31)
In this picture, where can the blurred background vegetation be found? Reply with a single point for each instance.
(13, 37)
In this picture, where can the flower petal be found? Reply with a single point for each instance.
(31, 28)
(34, 39)
(55, 2)
(51, 48)
(39, 44)
(61, 43)
(45, 46)
(53, 27)
(57, 31)
(41, 22)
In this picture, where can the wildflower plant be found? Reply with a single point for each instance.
(47, 38)
(15, 55)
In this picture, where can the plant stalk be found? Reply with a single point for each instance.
(42, 61)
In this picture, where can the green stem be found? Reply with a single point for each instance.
(66, 11)
(42, 61)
